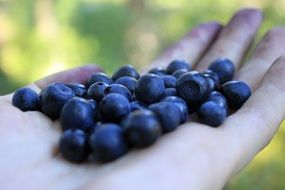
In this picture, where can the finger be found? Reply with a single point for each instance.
(251, 128)
(269, 49)
(234, 39)
(189, 48)
(78, 74)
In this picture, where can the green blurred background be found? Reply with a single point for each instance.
(40, 37)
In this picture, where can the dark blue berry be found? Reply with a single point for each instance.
(169, 81)
(99, 77)
(236, 93)
(224, 68)
(93, 103)
(108, 143)
(79, 89)
(213, 75)
(179, 72)
(120, 89)
(168, 114)
(181, 104)
(213, 80)
(137, 105)
(126, 70)
(26, 99)
(176, 65)
(218, 98)
(113, 107)
(129, 82)
(212, 84)
(192, 86)
(73, 145)
(150, 88)
(53, 98)
(141, 128)
(158, 71)
(77, 113)
(212, 114)
(174, 99)
(169, 92)
(96, 91)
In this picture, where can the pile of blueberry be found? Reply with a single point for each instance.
(104, 118)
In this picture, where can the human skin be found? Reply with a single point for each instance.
(195, 156)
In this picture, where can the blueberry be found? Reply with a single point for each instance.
(137, 105)
(150, 88)
(77, 113)
(192, 86)
(213, 75)
(158, 71)
(26, 99)
(120, 89)
(181, 104)
(99, 77)
(168, 114)
(179, 72)
(212, 114)
(218, 98)
(213, 80)
(169, 92)
(73, 145)
(224, 68)
(174, 99)
(108, 143)
(212, 84)
(129, 82)
(236, 93)
(126, 70)
(53, 98)
(141, 128)
(176, 65)
(93, 103)
(96, 91)
(169, 81)
(79, 89)
(113, 107)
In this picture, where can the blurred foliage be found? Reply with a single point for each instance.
(40, 37)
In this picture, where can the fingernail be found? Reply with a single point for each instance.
(251, 15)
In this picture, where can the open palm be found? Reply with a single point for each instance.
(195, 156)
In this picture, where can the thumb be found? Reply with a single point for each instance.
(78, 75)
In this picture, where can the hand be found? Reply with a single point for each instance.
(194, 156)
